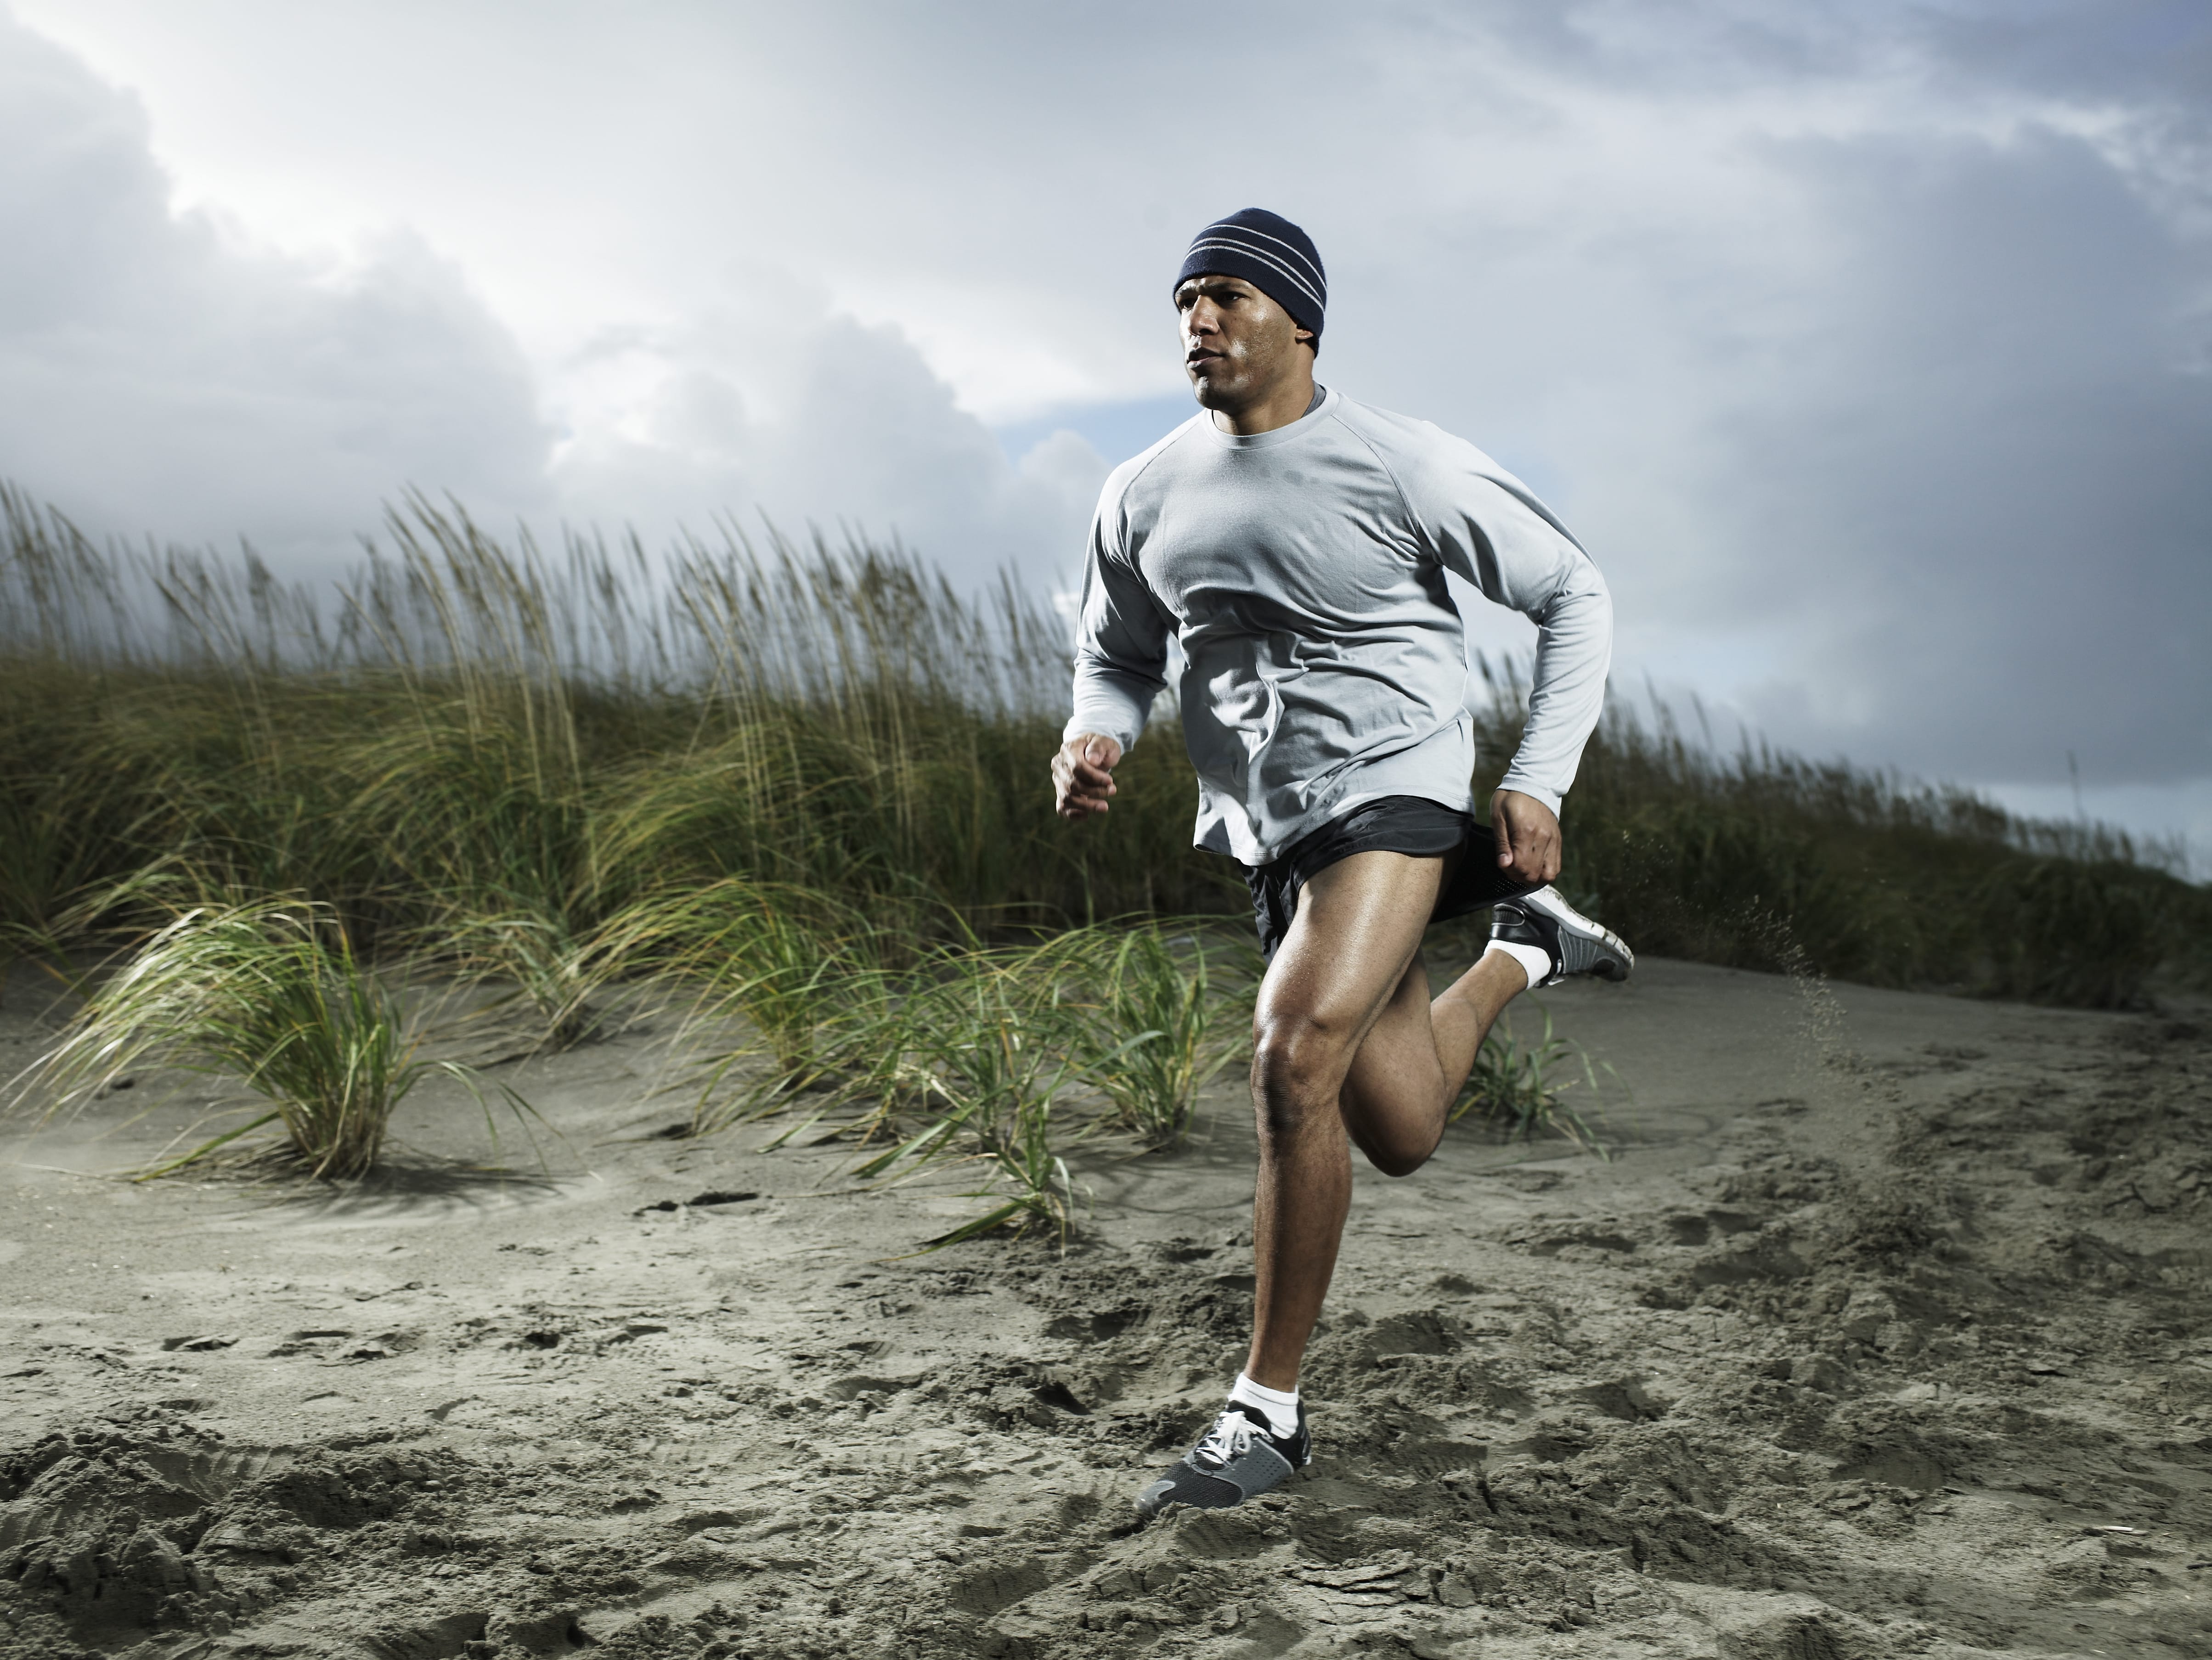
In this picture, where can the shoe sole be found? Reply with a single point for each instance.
(1548, 900)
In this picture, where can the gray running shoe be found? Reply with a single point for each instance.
(1238, 1459)
(1575, 944)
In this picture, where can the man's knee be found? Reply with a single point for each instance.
(1395, 1143)
(1298, 1065)
(1398, 1162)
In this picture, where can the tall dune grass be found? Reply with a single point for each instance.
(466, 734)
(493, 753)
(806, 784)
(1761, 859)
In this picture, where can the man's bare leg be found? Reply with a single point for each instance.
(1346, 980)
(1407, 1074)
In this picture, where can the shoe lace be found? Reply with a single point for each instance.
(1232, 1437)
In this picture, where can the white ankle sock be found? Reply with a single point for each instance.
(1534, 962)
(1281, 1410)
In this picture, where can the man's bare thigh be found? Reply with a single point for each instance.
(1358, 926)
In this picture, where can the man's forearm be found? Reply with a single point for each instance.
(1573, 652)
(1111, 701)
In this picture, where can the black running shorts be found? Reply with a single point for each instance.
(1392, 824)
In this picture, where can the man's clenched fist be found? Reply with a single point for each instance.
(1083, 775)
(1527, 834)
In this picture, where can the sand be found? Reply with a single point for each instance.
(1884, 1332)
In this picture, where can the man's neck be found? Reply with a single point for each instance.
(1280, 408)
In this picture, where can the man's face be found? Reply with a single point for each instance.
(1238, 344)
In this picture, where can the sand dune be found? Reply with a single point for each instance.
(1885, 1332)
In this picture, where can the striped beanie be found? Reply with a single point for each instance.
(1271, 254)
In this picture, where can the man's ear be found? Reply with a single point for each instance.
(1307, 338)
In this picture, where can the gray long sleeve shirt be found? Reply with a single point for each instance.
(1303, 572)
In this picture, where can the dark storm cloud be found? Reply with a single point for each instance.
(1992, 467)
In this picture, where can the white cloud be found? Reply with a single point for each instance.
(160, 378)
(166, 374)
(774, 403)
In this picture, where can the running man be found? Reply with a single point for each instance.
(1294, 544)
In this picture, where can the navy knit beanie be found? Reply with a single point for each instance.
(1271, 254)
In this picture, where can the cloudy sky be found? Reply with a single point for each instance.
(1869, 348)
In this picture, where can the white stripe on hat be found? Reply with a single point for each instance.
(1290, 248)
(1304, 285)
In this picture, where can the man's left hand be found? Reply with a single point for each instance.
(1527, 834)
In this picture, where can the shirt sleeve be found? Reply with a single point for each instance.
(1122, 638)
(1490, 529)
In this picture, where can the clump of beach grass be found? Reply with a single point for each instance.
(979, 1045)
(796, 974)
(544, 968)
(1521, 1091)
(1149, 1037)
(267, 994)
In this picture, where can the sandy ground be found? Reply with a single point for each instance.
(1885, 1332)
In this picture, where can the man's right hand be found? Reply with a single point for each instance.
(1083, 775)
